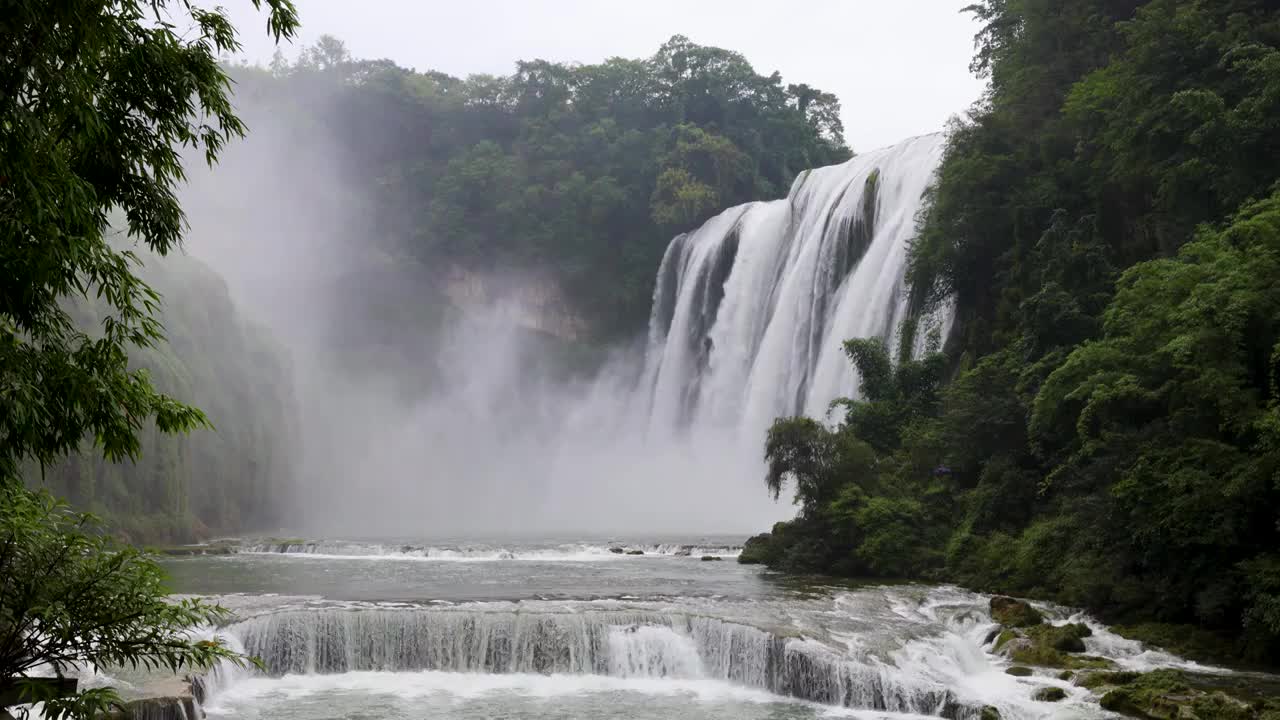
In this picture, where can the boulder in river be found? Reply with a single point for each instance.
(1051, 693)
(1011, 612)
(1054, 646)
(616, 550)
(711, 558)
(635, 552)
(1167, 694)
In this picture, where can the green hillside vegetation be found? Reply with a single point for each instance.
(1103, 428)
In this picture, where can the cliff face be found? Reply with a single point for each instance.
(529, 301)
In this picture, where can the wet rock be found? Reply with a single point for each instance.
(989, 713)
(1049, 694)
(1165, 695)
(1019, 671)
(711, 558)
(1050, 646)
(616, 550)
(1014, 613)
(635, 552)
(193, 550)
(1013, 645)
(991, 636)
(1063, 638)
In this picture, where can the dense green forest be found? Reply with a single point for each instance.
(236, 475)
(1103, 428)
(579, 172)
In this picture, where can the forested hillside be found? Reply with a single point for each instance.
(581, 173)
(236, 475)
(1104, 426)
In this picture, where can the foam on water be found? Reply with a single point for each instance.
(457, 690)
(568, 552)
(888, 651)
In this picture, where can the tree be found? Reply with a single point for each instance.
(98, 104)
(69, 597)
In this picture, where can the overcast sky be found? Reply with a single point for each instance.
(900, 67)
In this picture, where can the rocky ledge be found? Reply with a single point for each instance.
(1036, 646)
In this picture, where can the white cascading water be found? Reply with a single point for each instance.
(622, 644)
(750, 311)
(749, 316)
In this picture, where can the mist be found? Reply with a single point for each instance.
(427, 415)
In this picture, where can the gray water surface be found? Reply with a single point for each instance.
(481, 571)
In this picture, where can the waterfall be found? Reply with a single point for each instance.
(750, 310)
(612, 643)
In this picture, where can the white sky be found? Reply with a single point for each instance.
(899, 67)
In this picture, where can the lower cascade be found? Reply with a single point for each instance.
(616, 644)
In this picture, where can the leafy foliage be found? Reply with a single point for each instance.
(97, 103)
(1108, 223)
(69, 598)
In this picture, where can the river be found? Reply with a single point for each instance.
(592, 629)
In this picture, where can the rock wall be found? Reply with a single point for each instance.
(530, 301)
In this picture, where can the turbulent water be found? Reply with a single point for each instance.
(399, 636)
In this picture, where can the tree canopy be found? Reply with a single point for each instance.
(1106, 222)
(582, 172)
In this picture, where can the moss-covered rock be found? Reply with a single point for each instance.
(711, 558)
(1006, 636)
(635, 552)
(757, 550)
(989, 713)
(1049, 646)
(1063, 638)
(1098, 679)
(188, 550)
(1014, 613)
(1019, 671)
(1051, 693)
(1166, 695)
